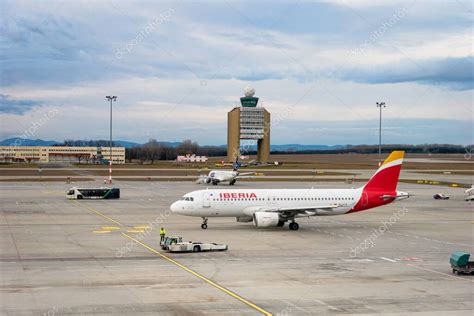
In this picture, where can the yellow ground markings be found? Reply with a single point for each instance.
(98, 213)
(110, 227)
(135, 231)
(200, 276)
(214, 284)
(141, 227)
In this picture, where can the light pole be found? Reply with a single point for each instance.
(380, 105)
(110, 98)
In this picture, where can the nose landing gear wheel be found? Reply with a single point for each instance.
(204, 223)
(294, 226)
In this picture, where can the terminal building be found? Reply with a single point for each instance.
(61, 154)
(248, 122)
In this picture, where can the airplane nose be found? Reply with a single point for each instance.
(174, 207)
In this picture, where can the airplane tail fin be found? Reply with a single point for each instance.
(386, 177)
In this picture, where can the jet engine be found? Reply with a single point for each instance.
(266, 219)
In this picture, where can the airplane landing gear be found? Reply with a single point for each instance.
(232, 182)
(215, 182)
(294, 226)
(204, 223)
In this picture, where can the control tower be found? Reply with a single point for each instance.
(248, 121)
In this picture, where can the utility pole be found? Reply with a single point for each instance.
(380, 105)
(110, 98)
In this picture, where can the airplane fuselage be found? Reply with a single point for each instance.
(245, 202)
(274, 207)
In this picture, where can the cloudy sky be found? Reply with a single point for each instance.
(177, 67)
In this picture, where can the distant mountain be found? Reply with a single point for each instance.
(16, 141)
(39, 142)
(129, 144)
(298, 147)
(126, 143)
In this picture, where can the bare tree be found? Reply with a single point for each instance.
(187, 147)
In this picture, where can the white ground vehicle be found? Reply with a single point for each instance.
(175, 244)
(440, 196)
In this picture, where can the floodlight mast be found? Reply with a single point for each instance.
(380, 105)
(114, 99)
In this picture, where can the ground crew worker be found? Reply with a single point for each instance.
(162, 233)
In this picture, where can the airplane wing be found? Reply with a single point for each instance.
(292, 211)
(202, 179)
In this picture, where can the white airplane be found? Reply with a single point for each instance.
(469, 194)
(274, 207)
(217, 176)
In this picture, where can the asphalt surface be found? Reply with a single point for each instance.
(83, 174)
(102, 257)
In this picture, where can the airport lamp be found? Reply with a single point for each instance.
(380, 105)
(110, 98)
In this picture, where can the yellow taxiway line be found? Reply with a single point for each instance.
(98, 213)
(135, 231)
(142, 227)
(110, 227)
(200, 276)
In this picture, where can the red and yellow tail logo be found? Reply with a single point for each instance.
(383, 183)
(386, 177)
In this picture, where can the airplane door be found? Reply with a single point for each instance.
(206, 199)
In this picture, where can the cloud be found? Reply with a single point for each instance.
(16, 106)
(194, 66)
(454, 73)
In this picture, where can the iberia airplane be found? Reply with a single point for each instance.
(274, 207)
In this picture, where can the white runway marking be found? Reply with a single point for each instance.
(387, 259)
(297, 307)
(442, 273)
(333, 308)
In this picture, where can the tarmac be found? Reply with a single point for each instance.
(466, 178)
(102, 257)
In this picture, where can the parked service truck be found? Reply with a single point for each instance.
(176, 244)
(460, 263)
